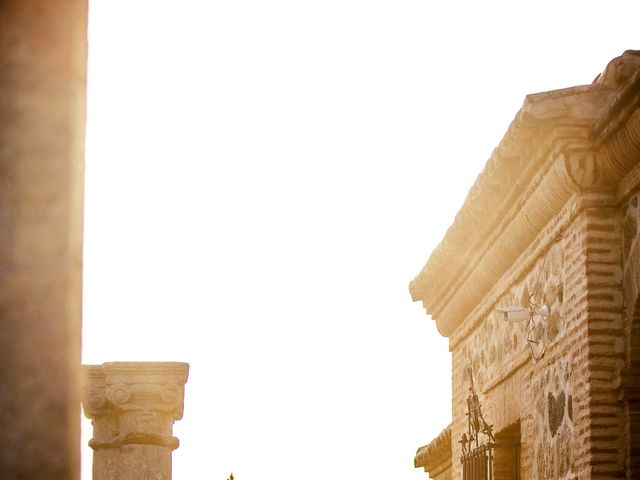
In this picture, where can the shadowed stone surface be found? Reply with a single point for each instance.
(42, 112)
(556, 412)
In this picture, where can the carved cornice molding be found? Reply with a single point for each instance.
(550, 151)
(623, 104)
(117, 441)
(134, 403)
(436, 454)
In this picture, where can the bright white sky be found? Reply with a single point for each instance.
(263, 180)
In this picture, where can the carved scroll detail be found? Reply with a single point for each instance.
(134, 403)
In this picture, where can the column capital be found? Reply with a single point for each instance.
(134, 403)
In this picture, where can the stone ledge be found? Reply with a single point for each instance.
(436, 454)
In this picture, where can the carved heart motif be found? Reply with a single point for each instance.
(556, 412)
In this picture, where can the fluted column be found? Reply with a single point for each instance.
(132, 407)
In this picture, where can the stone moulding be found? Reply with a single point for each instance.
(435, 456)
(169, 442)
(622, 105)
(549, 235)
(584, 138)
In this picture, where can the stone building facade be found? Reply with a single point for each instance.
(551, 223)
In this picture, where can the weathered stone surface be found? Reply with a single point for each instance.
(132, 406)
(42, 112)
(435, 457)
(556, 412)
(619, 69)
(548, 154)
(562, 231)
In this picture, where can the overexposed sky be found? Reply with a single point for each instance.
(263, 180)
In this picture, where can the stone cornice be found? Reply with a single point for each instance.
(547, 236)
(435, 454)
(561, 142)
(623, 104)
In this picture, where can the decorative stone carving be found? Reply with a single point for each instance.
(553, 219)
(619, 69)
(581, 169)
(561, 143)
(132, 407)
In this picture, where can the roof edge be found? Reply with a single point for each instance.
(435, 453)
(560, 142)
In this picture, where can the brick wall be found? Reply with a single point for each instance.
(571, 423)
(628, 385)
(555, 217)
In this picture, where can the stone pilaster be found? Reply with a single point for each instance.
(132, 407)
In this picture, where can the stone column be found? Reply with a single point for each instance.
(132, 407)
(42, 114)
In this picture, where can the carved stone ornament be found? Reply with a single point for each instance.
(561, 145)
(134, 403)
(619, 69)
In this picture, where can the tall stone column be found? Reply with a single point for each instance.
(43, 47)
(132, 407)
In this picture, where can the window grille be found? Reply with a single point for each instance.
(478, 442)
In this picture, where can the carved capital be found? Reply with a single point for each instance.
(134, 403)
